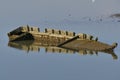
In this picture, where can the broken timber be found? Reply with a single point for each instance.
(67, 41)
(59, 38)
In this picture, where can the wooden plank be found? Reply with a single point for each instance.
(67, 41)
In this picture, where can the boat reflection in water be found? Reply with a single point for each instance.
(31, 45)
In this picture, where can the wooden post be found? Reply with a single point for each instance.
(28, 28)
(38, 30)
(46, 30)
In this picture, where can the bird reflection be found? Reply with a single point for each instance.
(49, 47)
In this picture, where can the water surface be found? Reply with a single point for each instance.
(19, 64)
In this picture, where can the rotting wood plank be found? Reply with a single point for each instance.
(67, 41)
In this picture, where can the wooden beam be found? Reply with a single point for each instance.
(67, 41)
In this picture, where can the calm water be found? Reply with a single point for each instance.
(18, 64)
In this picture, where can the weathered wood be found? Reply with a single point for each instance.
(59, 38)
(89, 45)
(67, 41)
(35, 33)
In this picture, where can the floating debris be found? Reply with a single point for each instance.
(117, 15)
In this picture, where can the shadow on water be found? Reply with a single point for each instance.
(31, 45)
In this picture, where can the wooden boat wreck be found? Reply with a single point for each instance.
(60, 38)
(33, 33)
